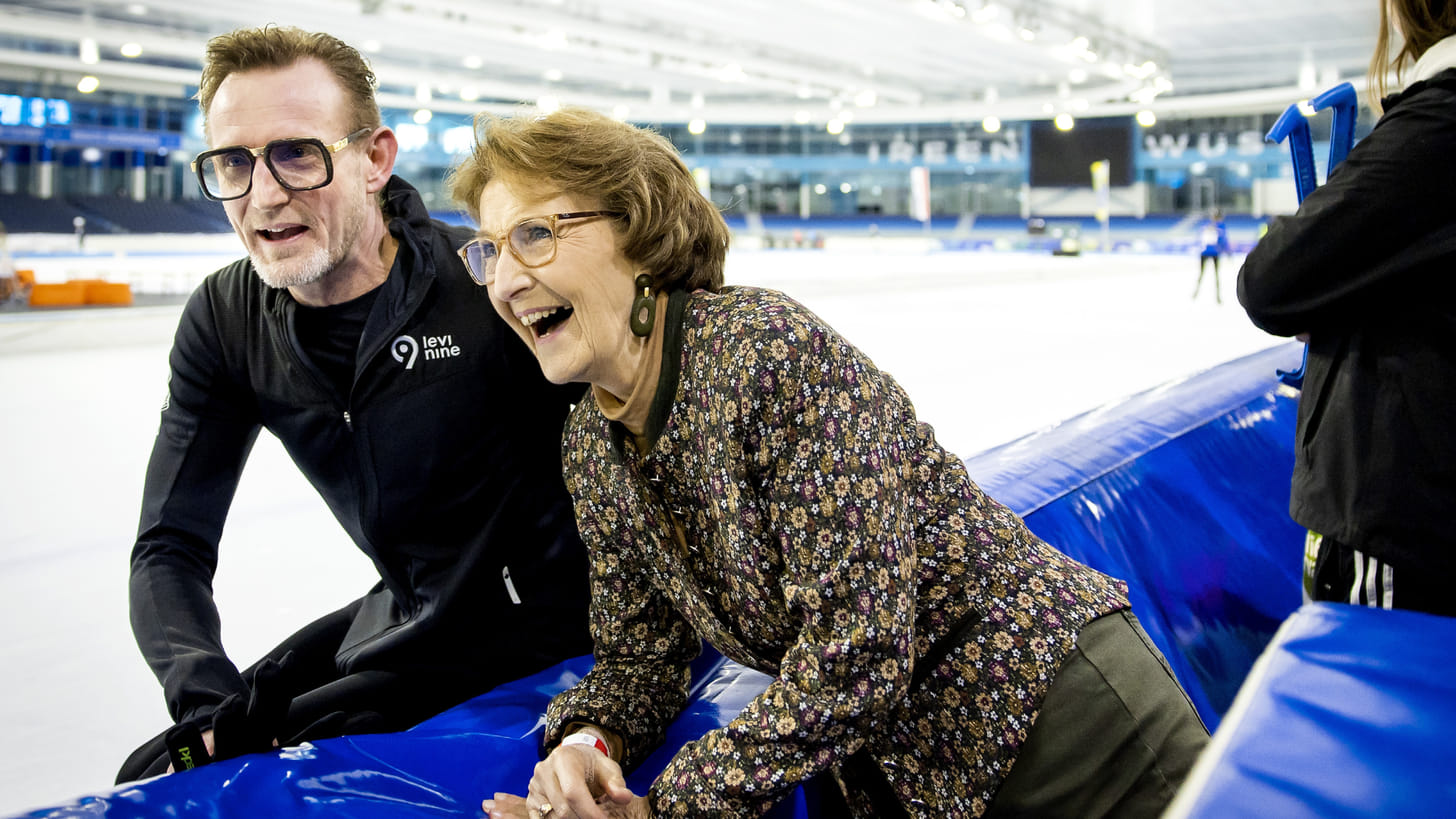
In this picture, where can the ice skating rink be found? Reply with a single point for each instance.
(990, 346)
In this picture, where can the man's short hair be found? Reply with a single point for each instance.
(273, 47)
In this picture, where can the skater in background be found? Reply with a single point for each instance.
(744, 475)
(1213, 236)
(352, 333)
(1363, 273)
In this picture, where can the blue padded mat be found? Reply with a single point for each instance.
(1181, 491)
(1351, 712)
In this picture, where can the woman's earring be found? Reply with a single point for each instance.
(644, 308)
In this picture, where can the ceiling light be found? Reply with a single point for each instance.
(132, 50)
(547, 103)
(472, 62)
(423, 116)
(697, 100)
(422, 92)
(372, 46)
(801, 117)
(554, 40)
(90, 55)
(986, 13)
(866, 98)
(834, 126)
(136, 9)
(553, 75)
(469, 94)
(697, 127)
(1064, 121)
(1147, 118)
(732, 72)
(1077, 75)
(991, 125)
(88, 84)
(845, 187)
(620, 112)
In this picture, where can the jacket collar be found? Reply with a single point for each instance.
(1437, 58)
(672, 345)
(406, 218)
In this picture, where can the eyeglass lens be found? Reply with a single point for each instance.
(297, 164)
(534, 242)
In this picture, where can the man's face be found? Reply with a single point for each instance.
(295, 238)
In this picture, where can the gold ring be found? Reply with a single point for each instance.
(545, 809)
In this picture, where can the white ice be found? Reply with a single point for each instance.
(989, 346)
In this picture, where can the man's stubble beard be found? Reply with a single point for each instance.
(314, 265)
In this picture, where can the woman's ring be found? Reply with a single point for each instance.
(545, 809)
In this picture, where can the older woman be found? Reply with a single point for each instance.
(745, 476)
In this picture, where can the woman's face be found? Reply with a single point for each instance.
(573, 311)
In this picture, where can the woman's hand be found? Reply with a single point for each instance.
(576, 782)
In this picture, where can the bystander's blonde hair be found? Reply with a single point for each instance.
(668, 226)
(1421, 24)
(271, 47)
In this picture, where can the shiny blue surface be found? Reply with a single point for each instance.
(1182, 491)
(1351, 712)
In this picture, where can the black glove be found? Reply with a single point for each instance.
(339, 723)
(250, 721)
(185, 748)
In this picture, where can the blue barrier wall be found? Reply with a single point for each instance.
(1181, 491)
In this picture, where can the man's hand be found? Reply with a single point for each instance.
(206, 741)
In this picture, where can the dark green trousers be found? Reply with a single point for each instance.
(1115, 736)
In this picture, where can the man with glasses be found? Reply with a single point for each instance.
(353, 333)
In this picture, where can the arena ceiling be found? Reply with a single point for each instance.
(750, 61)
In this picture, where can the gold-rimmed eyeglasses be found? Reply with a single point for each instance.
(532, 241)
(299, 164)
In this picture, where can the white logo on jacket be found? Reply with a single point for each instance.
(406, 349)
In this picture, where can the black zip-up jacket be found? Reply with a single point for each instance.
(443, 465)
(1366, 268)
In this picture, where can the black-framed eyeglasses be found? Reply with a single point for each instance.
(532, 241)
(299, 164)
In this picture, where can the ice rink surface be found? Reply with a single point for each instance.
(989, 347)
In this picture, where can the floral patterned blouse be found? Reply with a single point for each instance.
(792, 512)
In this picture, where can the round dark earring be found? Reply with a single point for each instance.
(644, 308)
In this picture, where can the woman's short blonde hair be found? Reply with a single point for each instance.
(668, 226)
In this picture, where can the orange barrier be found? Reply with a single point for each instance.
(70, 294)
(78, 292)
(25, 277)
(117, 293)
